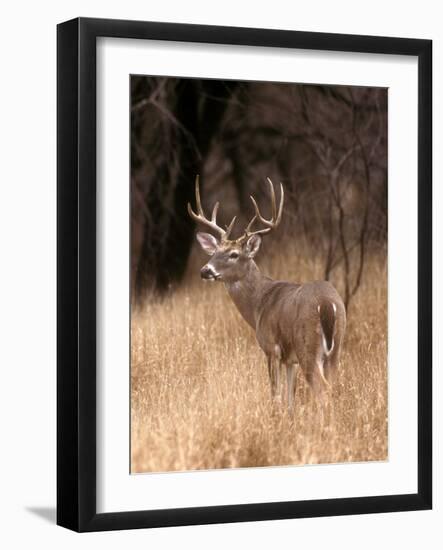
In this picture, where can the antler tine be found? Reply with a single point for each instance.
(214, 212)
(229, 227)
(273, 204)
(200, 216)
(250, 224)
(276, 214)
(280, 206)
(260, 218)
(197, 196)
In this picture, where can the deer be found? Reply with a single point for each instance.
(297, 325)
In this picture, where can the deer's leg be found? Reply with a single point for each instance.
(315, 375)
(291, 372)
(311, 356)
(274, 367)
(278, 367)
(313, 379)
(271, 376)
(331, 364)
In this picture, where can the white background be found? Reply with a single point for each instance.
(27, 290)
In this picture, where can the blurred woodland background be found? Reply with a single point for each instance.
(327, 144)
(200, 394)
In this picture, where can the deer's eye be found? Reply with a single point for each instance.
(233, 255)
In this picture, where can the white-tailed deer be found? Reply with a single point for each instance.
(295, 324)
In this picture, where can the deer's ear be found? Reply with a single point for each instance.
(253, 245)
(208, 243)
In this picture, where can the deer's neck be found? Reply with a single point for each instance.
(246, 293)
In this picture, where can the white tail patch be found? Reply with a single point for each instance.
(327, 350)
(322, 373)
(325, 346)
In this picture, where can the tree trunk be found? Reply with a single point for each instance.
(198, 111)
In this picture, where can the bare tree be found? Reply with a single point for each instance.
(344, 164)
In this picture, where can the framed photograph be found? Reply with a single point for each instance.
(244, 274)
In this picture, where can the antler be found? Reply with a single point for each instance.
(276, 216)
(201, 218)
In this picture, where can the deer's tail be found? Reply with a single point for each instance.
(328, 311)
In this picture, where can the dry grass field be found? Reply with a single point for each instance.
(200, 396)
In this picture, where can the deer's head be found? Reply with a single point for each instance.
(230, 258)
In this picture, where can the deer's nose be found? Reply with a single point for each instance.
(207, 272)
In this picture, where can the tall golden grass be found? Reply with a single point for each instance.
(200, 396)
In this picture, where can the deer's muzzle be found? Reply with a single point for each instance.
(208, 273)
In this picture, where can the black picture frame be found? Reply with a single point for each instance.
(76, 274)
